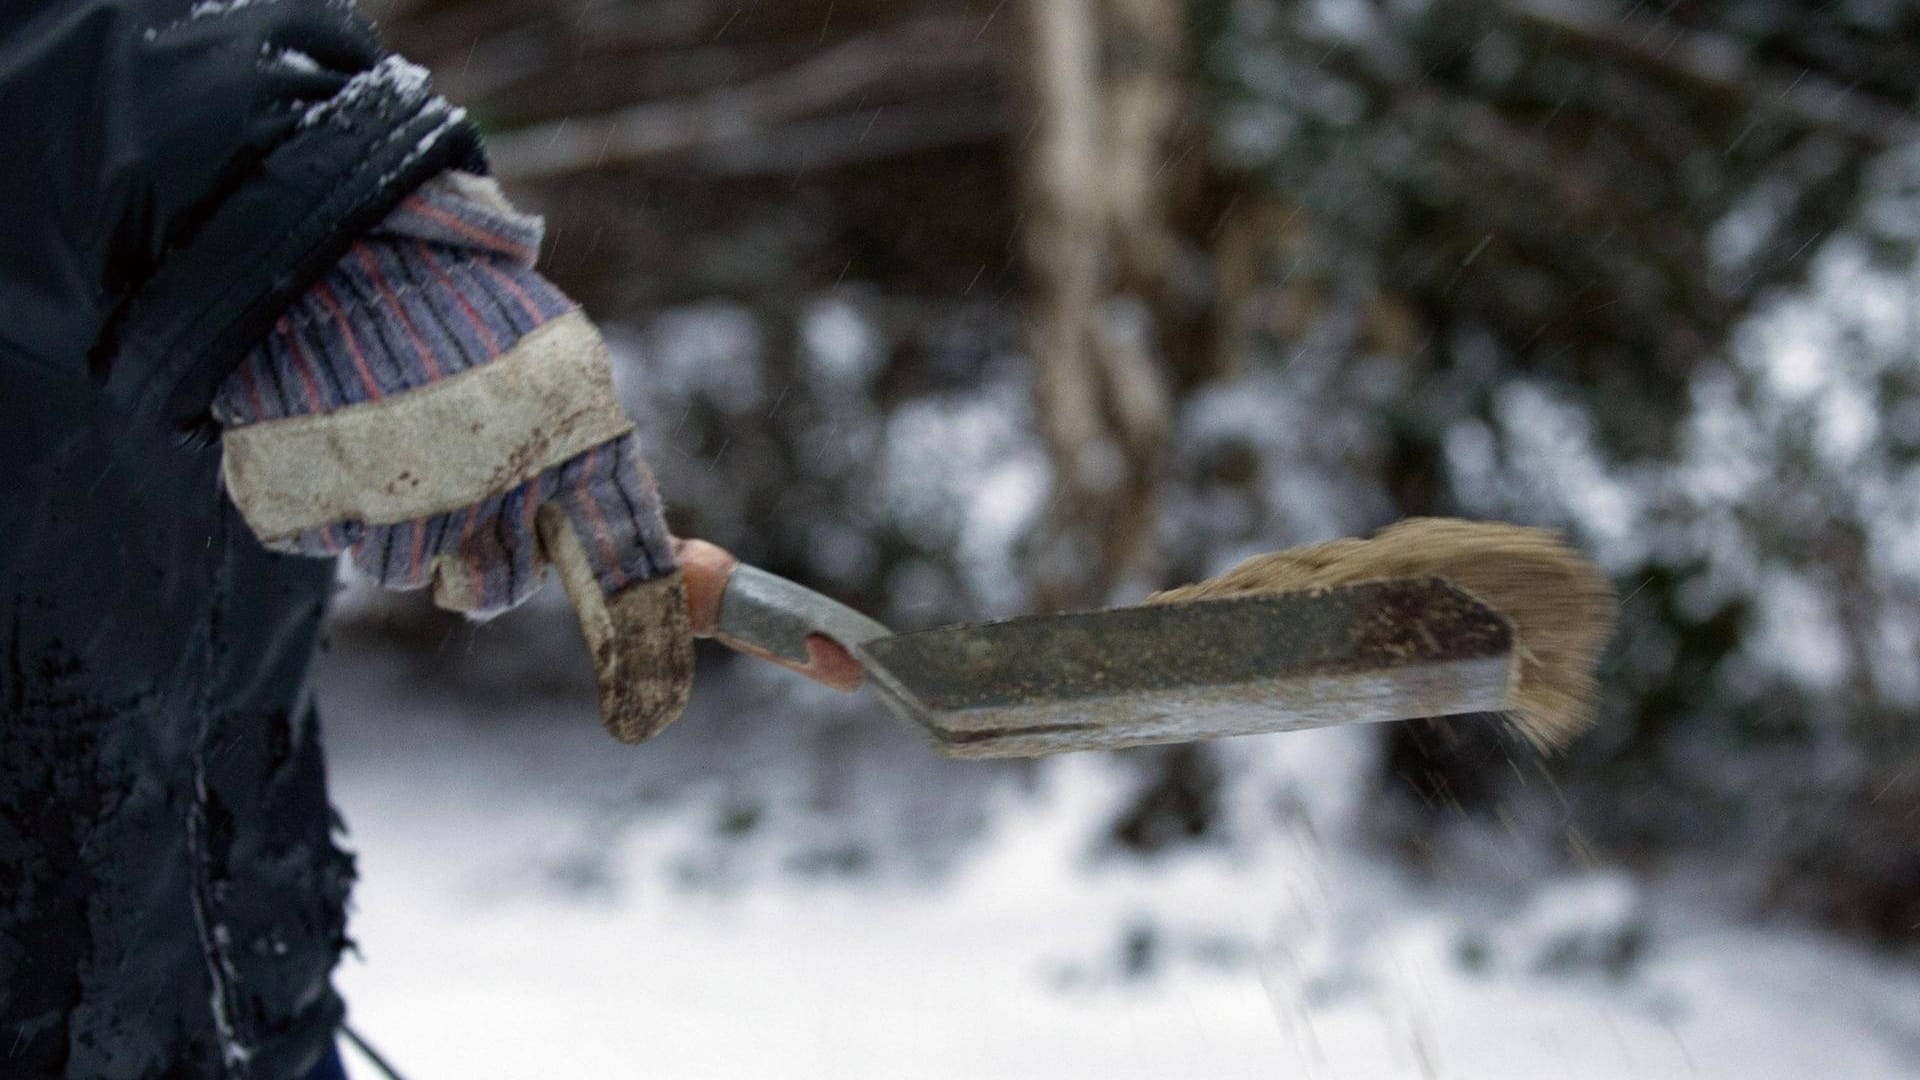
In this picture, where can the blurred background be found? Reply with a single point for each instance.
(956, 309)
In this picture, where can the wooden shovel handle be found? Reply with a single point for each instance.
(815, 651)
(705, 569)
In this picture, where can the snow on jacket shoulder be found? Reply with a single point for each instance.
(179, 172)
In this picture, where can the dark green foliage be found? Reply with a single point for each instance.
(1650, 254)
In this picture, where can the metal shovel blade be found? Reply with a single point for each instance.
(1390, 650)
(1099, 680)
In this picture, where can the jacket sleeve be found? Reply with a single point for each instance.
(178, 172)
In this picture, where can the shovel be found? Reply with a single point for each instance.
(1394, 649)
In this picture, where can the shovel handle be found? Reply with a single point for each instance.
(751, 611)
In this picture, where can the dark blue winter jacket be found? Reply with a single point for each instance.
(172, 173)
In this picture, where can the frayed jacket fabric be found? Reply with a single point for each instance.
(172, 175)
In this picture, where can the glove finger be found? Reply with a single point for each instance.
(481, 560)
(398, 556)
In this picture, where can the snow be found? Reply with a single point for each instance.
(203, 10)
(788, 885)
(214, 8)
(966, 474)
(842, 350)
(293, 60)
(708, 351)
(393, 75)
(1553, 448)
(1800, 630)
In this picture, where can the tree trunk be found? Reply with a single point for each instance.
(1097, 252)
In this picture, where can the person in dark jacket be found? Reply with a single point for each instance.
(258, 304)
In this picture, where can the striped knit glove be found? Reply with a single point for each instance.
(437, 409)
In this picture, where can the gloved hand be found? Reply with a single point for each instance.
(440, 411)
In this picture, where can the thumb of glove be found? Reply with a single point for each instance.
(641, 636)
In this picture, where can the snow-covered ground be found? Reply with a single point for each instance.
(783, 886)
